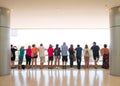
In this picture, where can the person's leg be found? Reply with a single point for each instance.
(32, 61)
(26, 59)
(85, 62)
(58, 61)
(66, 59)
(55, 61)
(51, 62)
(72, 62)
(29, 61)
(12, 62)
(48, 62)
(95, 61)
(42, 61)
(63, 61)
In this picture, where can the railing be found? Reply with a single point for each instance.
(91, 61)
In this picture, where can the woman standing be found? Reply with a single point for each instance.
(57, 55)
(71, 55)
(34, 54)
(50, 56)
(86, 56)
(41, 55)
(21, 56)
(28, 56)
(13, 55)
(105, 54)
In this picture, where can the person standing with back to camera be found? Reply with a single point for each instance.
(57, 55)
(78, 55)
(95, 49)
(86, 56)
(13, 55)
(41, 55)
(64, 51)
(34, 54)
(105, 54)
(50, 56)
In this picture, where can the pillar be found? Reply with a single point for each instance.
(4, 41)
(115, 41)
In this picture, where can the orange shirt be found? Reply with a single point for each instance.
(34, 50)
(104, 51)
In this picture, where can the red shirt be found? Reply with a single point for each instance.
(50, 52)
(28, 51)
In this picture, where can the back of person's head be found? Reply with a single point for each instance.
(29, 46)
(50, 46)
(105, 45)
(64, 43)
(22, 46)
(94, 43)
(57, 45)
(86, 46)
(71, 46)
(33, 45)
(11, 45)
(78, 45)
(41, 44)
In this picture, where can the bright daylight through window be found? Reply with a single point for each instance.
(25, 37)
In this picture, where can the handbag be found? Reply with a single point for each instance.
(74, 58)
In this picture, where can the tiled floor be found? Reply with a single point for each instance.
(59, 77)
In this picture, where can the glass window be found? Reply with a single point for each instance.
(25, 37)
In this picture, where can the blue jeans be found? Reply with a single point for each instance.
(71, 60)
(78, 62)
(20, 60)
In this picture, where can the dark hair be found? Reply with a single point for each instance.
(94, 43)
(78, 45)
(57, 45)
(105, 45)
(33, 45)
(50, 46)
(41, 44)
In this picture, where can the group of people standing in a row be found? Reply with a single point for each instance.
(75, 54)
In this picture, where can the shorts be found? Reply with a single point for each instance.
(42, 59)
(12, 58)
(50, 58)
(57, 56)
(64, 59)
(95, 56)
(35, 56)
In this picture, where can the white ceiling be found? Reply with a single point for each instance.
(59, 13)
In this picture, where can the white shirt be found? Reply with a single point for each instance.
(41, 51)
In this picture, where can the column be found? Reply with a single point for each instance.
(4, 41)
(115, 41)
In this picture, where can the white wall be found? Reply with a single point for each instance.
(57, 13)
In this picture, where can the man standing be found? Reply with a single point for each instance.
(78, 55)
(64, 50)
(95, 49)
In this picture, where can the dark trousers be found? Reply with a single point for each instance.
(78, 62)
(28, 60)
(71, 60)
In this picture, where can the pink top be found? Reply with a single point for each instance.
(28, 51)
(50, 52)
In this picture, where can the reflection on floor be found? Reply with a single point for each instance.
(59, 77)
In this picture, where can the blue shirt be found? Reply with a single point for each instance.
(95, 49)
(64, 50)
(78, 51)
(21, 52)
